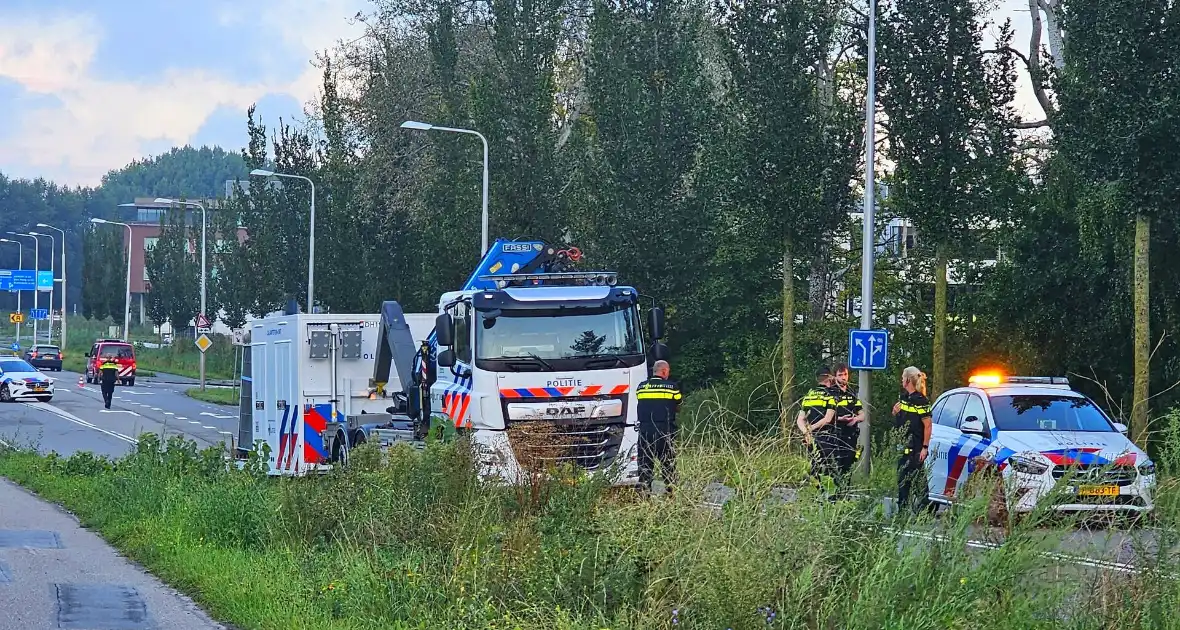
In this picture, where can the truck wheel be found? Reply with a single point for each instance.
(131, 382)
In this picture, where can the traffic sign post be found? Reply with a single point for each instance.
(868, 349)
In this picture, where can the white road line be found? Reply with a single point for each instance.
(225, 433)
(169, 413)
(218, 416)
(181, 418)
(65, 415)
(119, 411)
(193, 422)
(209, 427)
(156, 409)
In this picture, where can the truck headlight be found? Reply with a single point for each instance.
(1147, 468)
(1028, 465)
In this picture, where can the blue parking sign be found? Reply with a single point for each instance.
(868, 349)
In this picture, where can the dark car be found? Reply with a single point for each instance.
(44, 357)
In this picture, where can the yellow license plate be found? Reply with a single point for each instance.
(1098, 491)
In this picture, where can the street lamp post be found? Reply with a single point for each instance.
(36, 272)
(261, 172)
(52, 274)
(203, 273)
(868, 231)
(20, 265)
(421, 126)
(63, 284)
(127, 305)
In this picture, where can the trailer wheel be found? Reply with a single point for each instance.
(340, 449)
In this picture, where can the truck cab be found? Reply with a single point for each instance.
(541, 370)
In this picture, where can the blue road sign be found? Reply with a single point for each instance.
(39, 314)
(867, 349)
(15, 347)
(44, 280)
(20, 280)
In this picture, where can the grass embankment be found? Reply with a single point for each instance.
(215, 395)
(415, 541)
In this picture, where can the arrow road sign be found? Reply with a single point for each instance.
(39, 314)
(868, 349)
(16, 318)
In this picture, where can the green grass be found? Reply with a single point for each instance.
(216, 395)
(414, 540)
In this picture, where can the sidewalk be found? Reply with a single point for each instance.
(56, 575)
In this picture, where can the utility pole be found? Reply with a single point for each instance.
(868, 233)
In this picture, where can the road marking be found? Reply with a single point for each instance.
(193, 422)
(119, 411)
(169, 413)
(135, 393)
(225, 433)
(209, 427)
(156, 409)
(65, 415)
(181, 418)
(214, 415)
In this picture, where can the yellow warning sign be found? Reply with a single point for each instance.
(16, 318)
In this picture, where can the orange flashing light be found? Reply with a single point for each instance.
(985, 379)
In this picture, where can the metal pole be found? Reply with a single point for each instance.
(64, 299)
(203, 276)
(868, 234)
(484, 249)
(311, 251)
(127, 305)
(53, 276)
(36, 272)
(21, 265)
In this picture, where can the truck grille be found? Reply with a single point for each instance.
(543, 444)
(1104, 474)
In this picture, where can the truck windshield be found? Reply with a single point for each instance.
(522, 336)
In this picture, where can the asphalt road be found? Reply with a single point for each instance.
(75, 419)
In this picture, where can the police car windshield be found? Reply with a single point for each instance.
(1049, 413)
(10, 365)
(547, 334)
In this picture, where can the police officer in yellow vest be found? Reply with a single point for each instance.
(109, 373)
(816, 413)
(658, 400)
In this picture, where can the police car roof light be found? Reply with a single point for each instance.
(993, 380)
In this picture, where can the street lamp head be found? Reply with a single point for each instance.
(39, 234)
(165, 200)
(44, 226)
(261, 172)
(128, 205)
(420, 126)
(98, 220)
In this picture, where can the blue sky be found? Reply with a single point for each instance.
(86, 87)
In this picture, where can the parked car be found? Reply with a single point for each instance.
(44, 357)
(18, 379)
(1048, 442)
(117, 350)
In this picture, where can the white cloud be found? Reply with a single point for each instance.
(99, 124)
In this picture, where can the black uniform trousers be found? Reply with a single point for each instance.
(825, 453)
(108, 386)
(655, 445)
(911, 481)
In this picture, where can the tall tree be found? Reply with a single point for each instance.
(950, 134)
(1117, 124)
(174, 272)
(775, 51)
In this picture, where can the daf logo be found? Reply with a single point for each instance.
(565, 410)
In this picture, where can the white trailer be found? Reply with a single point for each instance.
(305, 389)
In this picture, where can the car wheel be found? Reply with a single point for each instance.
(45, 399)
(5, 394)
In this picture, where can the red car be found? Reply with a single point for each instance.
(120, 352)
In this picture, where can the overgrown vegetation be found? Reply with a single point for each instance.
(216, 395)
(414, 540)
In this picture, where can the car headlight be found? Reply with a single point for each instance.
(1028, 465)
(1147, 468)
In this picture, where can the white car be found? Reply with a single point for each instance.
(1043, 437)
(18, 379)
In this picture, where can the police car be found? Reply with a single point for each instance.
(18, 379)
(1044, 438)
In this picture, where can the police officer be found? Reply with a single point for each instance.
(109, 373)
(658, 400)
(912, 413)
(849, 415)
(816, 413)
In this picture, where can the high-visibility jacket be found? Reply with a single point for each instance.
(658, 400)
(816, 403)
(109, 371)
(846, 403)
(913, 407)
